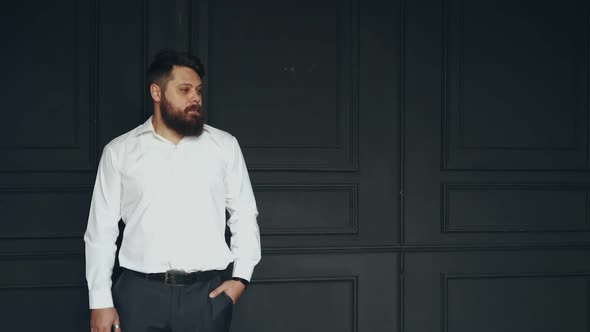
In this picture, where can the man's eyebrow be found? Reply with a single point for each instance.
(189, 84)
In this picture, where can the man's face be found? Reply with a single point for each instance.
(181, 103)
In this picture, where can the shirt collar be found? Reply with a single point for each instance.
(145, 127)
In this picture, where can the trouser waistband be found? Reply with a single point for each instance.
(178, 278)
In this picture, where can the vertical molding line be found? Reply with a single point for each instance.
(460, 58)
(401, 301)
(94, 151)
(402, 118)
(76, 72)
(587, 62)
(402, 158)
(355, 301)
(444, 141)
(144, 58)
(353, 110)
(193, 28)
(587, 300)
(443, 302)
(209, 17)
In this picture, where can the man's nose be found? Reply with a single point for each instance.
(195, 98)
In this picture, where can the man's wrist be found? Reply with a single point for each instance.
(242, 280)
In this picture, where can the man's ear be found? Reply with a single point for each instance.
(156, 92)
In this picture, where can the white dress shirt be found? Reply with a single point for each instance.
(172, 198)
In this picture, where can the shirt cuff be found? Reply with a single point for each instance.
(243, 269)
(100, 299)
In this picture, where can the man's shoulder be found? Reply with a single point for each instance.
(220, 136)
(216, 132)
(120, 141)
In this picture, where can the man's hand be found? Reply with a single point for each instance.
(102, 320)
(232, 288)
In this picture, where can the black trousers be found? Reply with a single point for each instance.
(151, 306)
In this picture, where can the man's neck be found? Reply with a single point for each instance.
(161, 129)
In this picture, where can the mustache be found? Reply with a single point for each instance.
(193, 108)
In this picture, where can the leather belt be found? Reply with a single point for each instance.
(178, 278)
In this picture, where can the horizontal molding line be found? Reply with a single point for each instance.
(331, 278)
(91, 170)
(42, 255)
(45, 189)
(473, 276)
(426, 248)
(302, 168)
(37, 236)
(26, 255)
(463, 167)
(35, 285)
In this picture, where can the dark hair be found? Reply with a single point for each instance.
(160, 71)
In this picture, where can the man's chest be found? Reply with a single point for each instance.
(157, 171)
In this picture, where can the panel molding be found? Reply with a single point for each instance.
(447, 227)
(352, 280)
(449, 145)
(88, 165)
(347, 96)
(36, 257)
(446, 277)
(76, 82)
(192, 33)
(43, 189)
(351, 188)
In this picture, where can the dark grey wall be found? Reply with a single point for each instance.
(419, 165)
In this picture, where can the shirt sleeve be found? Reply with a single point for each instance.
(102, 231)
(241, 205)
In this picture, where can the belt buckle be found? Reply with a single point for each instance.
(166, 277)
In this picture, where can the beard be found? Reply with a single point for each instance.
(180, 120)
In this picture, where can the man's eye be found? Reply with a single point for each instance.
(184, 90)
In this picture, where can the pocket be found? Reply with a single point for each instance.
(221, 311)
(228, 298)
(115, 289)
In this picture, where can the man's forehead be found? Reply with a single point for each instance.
(185, 75)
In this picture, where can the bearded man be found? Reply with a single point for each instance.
(171, 180)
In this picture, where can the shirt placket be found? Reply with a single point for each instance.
(174, 185)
